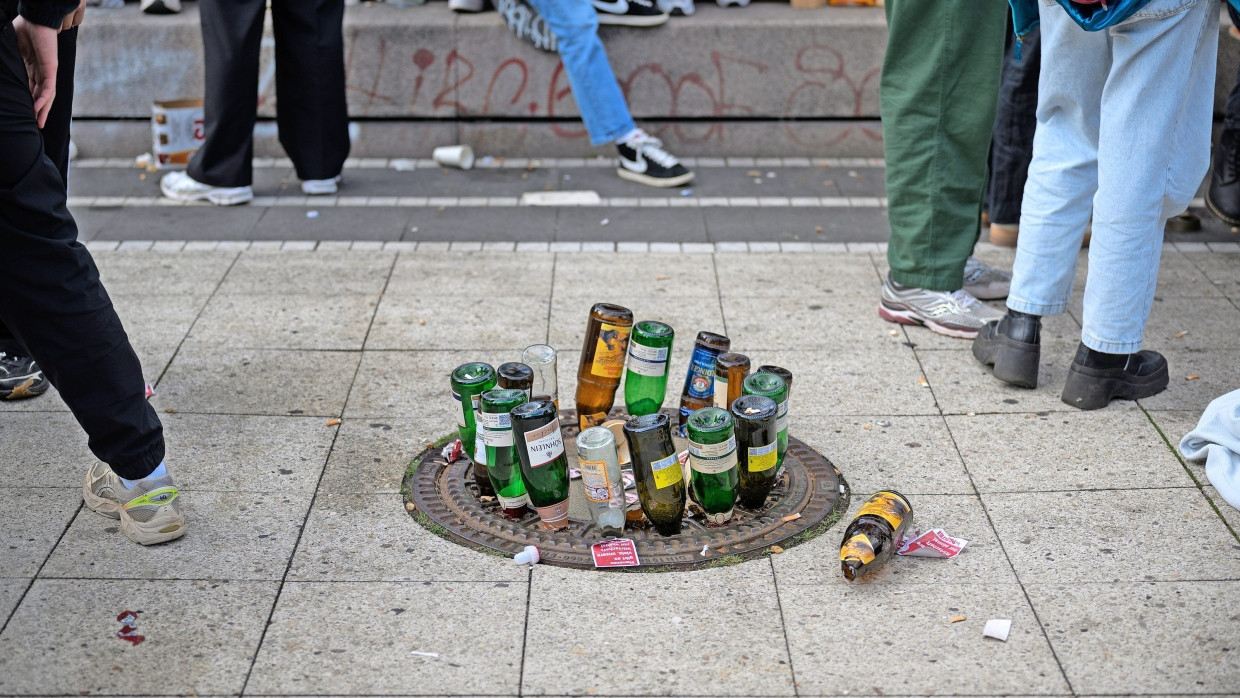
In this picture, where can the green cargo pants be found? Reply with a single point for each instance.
(939, 87)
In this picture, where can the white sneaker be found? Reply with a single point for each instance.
(319, 187)
(182, 187)
(675, 7)
(467, 5)
(161, 7)
(150, 513)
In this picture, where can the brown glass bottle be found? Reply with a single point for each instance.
(875, 533)
(699, 390)
(517, 376)
(602, 362)
(730, 371)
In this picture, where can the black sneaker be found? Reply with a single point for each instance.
(643, 160)
(1223, 196)
(20, 377)
(1095, 378)
(630, 13)
(1012, 346)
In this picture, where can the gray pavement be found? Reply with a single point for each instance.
(302, 573)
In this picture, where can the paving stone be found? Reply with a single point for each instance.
(228, 536)
(304, 321)
(91, 220)
(641, 275)
(370, 455)
(178, 222)
(156, 327)
(1105, 536)
(803, 323)
(162, 274)
(797, 224)
(47, 402)
(1221, 269)
(483, 274)
(1206, 323)
(383, 389)
(459, 322)
(1166, 638)
(293, 272)
(11, 591)
(1229, 513)
(236, 453)
(200, 637)
(1062, 451)
(316, 222)
(375, 628)
(257, 381)
(850, 383)
(33, 519)
(1180, 277)
(832, 281)
(370, 537)
(923, 652)
(43, 450)
(629, 224)
(1215, 373)
(569, 315)
(480, 224)
(733, 658)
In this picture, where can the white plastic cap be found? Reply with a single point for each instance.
(529, 556)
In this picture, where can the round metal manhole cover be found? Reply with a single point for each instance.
(810, 497)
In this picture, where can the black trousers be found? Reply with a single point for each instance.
(310, 94)
(51, 299)
(1011, 145)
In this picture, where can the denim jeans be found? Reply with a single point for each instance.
(598, 95)
(1123, 127)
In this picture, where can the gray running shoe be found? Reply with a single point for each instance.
(150, 513)
(952, 313)
(985, 282)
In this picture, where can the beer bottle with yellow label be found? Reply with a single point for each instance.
(757, 448)
(712, 456)
(660, 481)
(773, 386)
(875, 533)
(602, 362)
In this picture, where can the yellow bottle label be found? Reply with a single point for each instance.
(887, 505)
(609, 351)
(858, 547)
(666, 472)
(763, 457)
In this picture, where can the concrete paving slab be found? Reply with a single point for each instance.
(982, 561)
(634, 275)
(1229, 513)
(674, 617)
(91, 220)
(375, 628)
(1220, 269)
(629, 224)
(1179, 276)
(850, 384)
(319, 222)
(915, 455)
(371, 538)
(1104, 536)
(687, 317)
(827, 279)
(47, 402)
(1062, 451)
(33, 520)
(1162, 638)
(1197, 377)
(804, 323)
(383, 389)
(923, 653)
(248, 537)
(369, 456)
(1203, 323)
(459, 322)
(43, 450)
(797, 224)
(157, 326)
(481, 274)
(257, 381)
(200, 637)
(162, 275)
(1175, 424)
(449, 224)
(321, 321)
(11, 592)
(290, 272)
(179, 222)
(233, 453)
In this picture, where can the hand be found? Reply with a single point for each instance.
(74, 18)
(37, 45)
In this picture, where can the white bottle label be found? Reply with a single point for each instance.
(460, 410)
(496, 428)
(513, 502)
(781, 417)
(647, 361)
(711, 459)
(721, 393)
(544, 444)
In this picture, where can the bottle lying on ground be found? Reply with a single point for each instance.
(660, 483)
(544, 467)
(712, 457)
(730, 371)
(875, 533)
(602, 362)
(757, 448)
(699, 390)
(469, 381)
(645, 382)
(502, 464)
(601, 479)
(782, 418)
(772, 386)
(542, 359)
(517, 376)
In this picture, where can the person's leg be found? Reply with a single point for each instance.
(1012, 147)
(938, 91)
(1223, 194)
(311, 111)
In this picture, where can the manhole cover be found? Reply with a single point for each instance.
(446, 501)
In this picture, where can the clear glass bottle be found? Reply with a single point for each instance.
(541, 359)
(600, 477)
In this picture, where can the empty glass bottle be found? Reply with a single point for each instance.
(469, 381)
(602, 362)
(774, 387)
(730, 371)
(544, 467)
(712, 456)
(541, 359)
(601, 479)
(517, 376)
(757, 448)
(645, 383)
(783, 408)
(875, 533)
(502, 464)
(660, 482)
(699, 390)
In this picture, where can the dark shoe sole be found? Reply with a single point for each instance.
(1014, 362)
(30, 386)
(1093, 389)
(903, 315)
(1229, 220)
(632, 20)
(662, 182)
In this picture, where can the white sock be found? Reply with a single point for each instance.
(159, 471)
(629, 136)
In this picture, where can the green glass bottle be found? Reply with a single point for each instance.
(544, 467)
(757, 448)
(730, 371)
(712, 456)
(645, 383)
(774, 387)
(469, 381)
(502, 464)
(660, 482)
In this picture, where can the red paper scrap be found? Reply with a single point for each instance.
(621, 552)
(932, 543)
(453, 451)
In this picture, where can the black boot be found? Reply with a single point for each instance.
(1223, 196)
(1011, 345)
(1095, 378)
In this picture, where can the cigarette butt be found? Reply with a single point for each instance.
(169, 410)
(410, 506)
(332, 422)
(818, 229)
(422, 321)
(661, 278)
(894, 333)
(1192, 377)
(791, 517)
(753, 173)
(776, 549)
(956, 619)
(487, 499)
(1180, 335)
(923, 382)
(867, 427)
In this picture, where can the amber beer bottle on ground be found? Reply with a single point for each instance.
(502, 464)
(875, 533)
(544, 467)
(517, 376)
(602, 362)
(712, 456)
(469, 382)
(757, 448)
(773, 386)
(730, 371)
(660, 481)
(699, 390)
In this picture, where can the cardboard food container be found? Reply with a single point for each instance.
(177, 131)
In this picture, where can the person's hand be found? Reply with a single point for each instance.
(74, 18)
(37, 45)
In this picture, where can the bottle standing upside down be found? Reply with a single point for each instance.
(730, 371)
(544, 468)
(757, 448)
(541, 359)
(502, 464)
(645, 382)
(699, 390)
(469, 381)
(875, 533)
(782, 418)
(712, 456)
(660, 483)
(602, 362)
(601, 480)
(774, 387)
(517, 376)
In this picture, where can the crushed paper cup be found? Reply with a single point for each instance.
(998, 628)
(933, 543)
(452, 451)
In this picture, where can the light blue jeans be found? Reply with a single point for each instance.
(598, 96)
(1124, 118)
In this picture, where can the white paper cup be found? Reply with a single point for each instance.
(461, 156)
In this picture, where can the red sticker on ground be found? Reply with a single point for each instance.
(621, 552)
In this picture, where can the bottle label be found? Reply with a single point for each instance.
(496, 428)
(763, 457)
(480, 448)
(544, 444)
(594, 480)
(700, 381)
(711, 459)
(858, 547)
(666, 472)
(721, 393)
(886, 506)
(460, 410)
(647, 361)
(521, 500)
(781, 417)
(609, 351)
(591, 419)
(554, 516)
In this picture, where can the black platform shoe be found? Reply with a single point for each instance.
(1011, 345)
(1096, 378)
(1223, 196)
